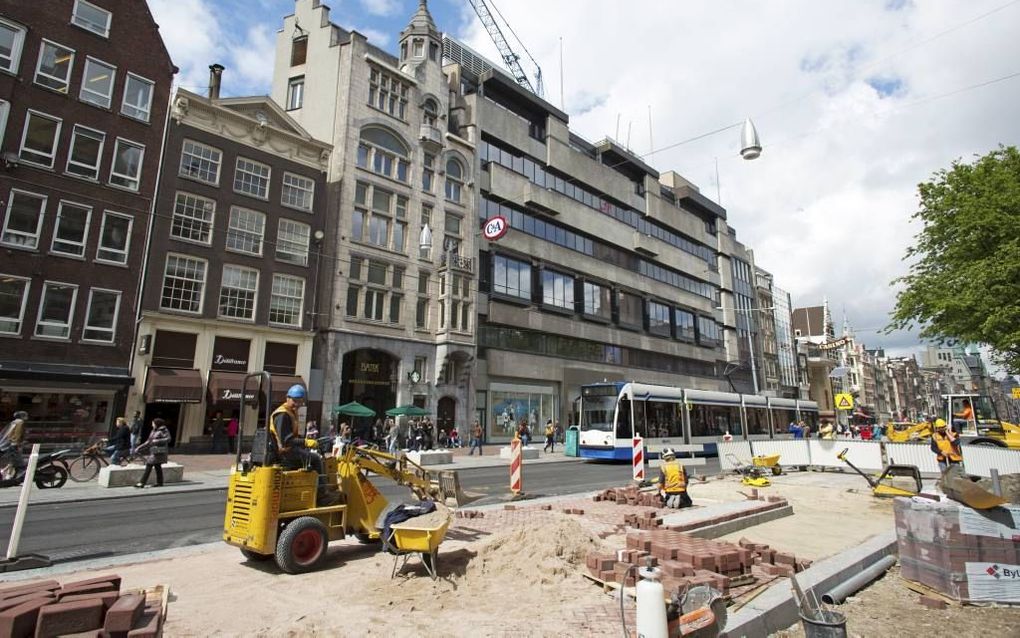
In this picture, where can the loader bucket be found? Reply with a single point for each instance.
(960, 488)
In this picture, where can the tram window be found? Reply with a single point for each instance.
(735, 425)
(659, 419)
(623, 427)
(757, 421)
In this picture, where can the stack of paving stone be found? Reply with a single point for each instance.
(688, 560)
(630, 495)
(93, 607)
(966, 554)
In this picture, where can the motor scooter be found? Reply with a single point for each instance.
(50, 469)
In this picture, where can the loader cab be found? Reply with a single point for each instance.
(985, 427)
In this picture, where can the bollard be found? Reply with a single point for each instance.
(13, 562)
(638, 458)
(516, 467)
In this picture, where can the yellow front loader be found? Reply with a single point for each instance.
(272, 511)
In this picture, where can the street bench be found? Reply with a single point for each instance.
(126, 476)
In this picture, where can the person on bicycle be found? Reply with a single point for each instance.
(119, 445)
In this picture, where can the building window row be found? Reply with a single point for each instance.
(387, 93)
(184, 282)
(55, 317)
(380, 217)
(40, 143)
(23, 223)
(455, 303)
(376, 290)
(203, 163)
(538, 175)
(383, 153)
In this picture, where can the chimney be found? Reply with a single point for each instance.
(215, 76)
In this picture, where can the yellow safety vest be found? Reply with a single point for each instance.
(675, 477)
(946, 448)
(283, 409)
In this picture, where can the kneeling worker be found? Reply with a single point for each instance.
(291, 448)
(945, 443)
(673, 479)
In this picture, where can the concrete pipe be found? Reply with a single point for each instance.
(840, 592)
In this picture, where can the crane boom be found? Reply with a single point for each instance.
(510, 58)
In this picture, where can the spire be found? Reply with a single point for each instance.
(421, 23)
(827, 318)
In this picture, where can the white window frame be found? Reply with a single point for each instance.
(129, 179)
(245, 232)
(193, 172)
(126, 251)
(190, 220)
(239, 184)
(39, 73)
(102, 101)
(88, 315)
(289, 248)
(26, 288)
(296, 93)
(38, 224)
(102, 31)
(201, 290)
(296, 186)
(54, 248)
(93, 134)
(16, 49)
(5, 109)
(223, 290)
(24, 137)
(39, 323)
(125, 105)
(279, 295)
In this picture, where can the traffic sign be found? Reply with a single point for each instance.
(1016, 393)
(844, 401)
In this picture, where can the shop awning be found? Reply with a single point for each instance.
(172, 385)
(282, 383)
(225, 387)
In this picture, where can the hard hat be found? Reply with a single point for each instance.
(297, 391)
(939, 423)
(21, 414)
(668, 453)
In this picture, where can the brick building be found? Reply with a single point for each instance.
(81, 127)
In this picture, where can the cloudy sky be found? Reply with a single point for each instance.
(856, 103)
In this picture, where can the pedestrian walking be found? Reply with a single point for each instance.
(550, 437)
(232, 426)
(136, 429)
(158, 446)
(476, 439)
(219, 434)
(392, 436)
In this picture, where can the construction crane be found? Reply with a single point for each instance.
(510, 58)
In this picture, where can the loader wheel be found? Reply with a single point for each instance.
(986, 442)
(302, 545)
(255, 557)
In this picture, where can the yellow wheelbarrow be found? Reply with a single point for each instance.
(421, 535)
(770, 462)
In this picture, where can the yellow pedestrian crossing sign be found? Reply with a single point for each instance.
(844, 401)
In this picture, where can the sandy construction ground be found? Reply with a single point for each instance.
(509, 573)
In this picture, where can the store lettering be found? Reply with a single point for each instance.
(370, 367)
(234, 395)
(221, 360)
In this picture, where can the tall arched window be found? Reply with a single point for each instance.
(431, 112)
(382, 152)
(454, 180)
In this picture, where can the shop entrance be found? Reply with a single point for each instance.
(369, 377)
(169, 412)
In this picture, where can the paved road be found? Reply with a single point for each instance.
(91, 529)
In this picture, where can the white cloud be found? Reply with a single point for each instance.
(845, 95)
(379, 38)
(253, 59)
(383, 7)
(193, 36)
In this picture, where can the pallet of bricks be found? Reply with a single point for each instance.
(687, 560)
(630, 495)
(93, 607)
(968, 555)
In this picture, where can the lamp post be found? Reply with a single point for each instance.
(750, 339)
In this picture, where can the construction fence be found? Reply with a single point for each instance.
(978, 460)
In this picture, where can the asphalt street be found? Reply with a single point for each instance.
(68, 532)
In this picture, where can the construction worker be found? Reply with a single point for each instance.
(826, 431)
(945, 443)
(289, 447)
(673, 479)
(964, 417)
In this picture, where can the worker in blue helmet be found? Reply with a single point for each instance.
(291, 448)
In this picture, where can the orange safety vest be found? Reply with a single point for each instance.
(947, 448)
(675, 480)
(283, 409)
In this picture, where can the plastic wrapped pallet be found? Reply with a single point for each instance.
(967, 554)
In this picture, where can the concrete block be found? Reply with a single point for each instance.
(124, 614)
(527, 453)
(88, 588)
(20, 621)
(16, 601)
(108, 598)
(431, 457)
(932, 603)
(111, 579)
(147, 626)
(19, 590)
(68, 618)
(127, 476)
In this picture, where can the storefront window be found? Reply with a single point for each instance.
(511, 407)
(58, 418)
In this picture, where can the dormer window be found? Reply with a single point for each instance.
(418, 48)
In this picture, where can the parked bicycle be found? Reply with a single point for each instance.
(85, 467)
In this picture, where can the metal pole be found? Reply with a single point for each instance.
(19, 516)
(754, 369)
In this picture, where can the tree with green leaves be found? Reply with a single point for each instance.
(964, 280)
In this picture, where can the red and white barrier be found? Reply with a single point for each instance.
(516, 467)
(638, 458)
